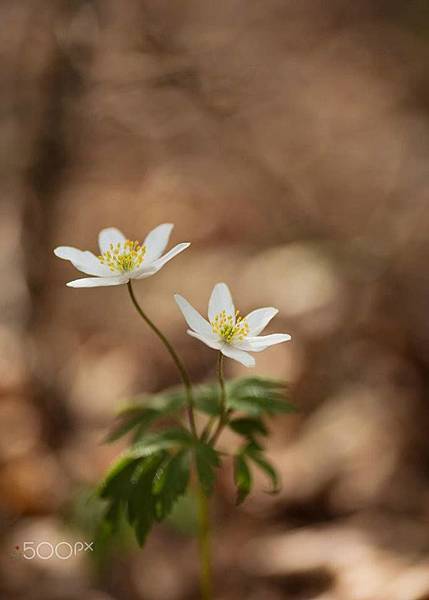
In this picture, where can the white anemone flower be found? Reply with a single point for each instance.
(235, 336)
(120, 259)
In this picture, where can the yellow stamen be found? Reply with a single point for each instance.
(224, 325)
(123, 257)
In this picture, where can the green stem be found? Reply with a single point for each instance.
(208, 428)
(222, 400)
(204, 545)
(203, 509)
(183, 372)
(224, 414)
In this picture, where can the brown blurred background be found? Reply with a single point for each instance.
(289, 142)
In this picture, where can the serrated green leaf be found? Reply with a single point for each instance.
(141, 504)
(242, 478)
(140, 431)
(158, 480)
(261, 383)
(118, 478)
(256, 396)
(145, 410)
(207, 460)
(116, 487)
(256, 406)
(170, 482)
(112, 515)
(263, 463)
(206, 399)
(153, 442)
(142, 527)
(140, 418)
(248, 426)
(170, 399)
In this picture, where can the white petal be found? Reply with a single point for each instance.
(210, 342)
(156, 241)
(108, 236)
(84, 261)
(98, 281)
(67, 252)
(193, 317)
(239, 355)
(262, 342)
(258, 319)
(143, 272)
(160, 262)
(220, 300)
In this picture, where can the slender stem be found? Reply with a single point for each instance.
(223, 419)
(208, 428)
(183, 372)
(204, 545)
(203, 509)
(221, 382)
(222, 399)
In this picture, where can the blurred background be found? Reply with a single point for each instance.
(289, 142)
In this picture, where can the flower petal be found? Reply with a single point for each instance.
(258, 319)
(98, 281)
(211, 343)
(67, 252)
(108, 236)
(262, 342)
(239, 355)
(143, 272)
(220, 300)
(193, 317)
(160, 262)
(84, 261)
(156, 241)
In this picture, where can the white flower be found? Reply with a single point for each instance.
(120, 259)
(226, 330)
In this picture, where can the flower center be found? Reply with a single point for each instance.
(123, 257)
(225, 327)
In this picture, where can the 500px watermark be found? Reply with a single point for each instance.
(47, 550)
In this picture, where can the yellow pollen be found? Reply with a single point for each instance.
(123, 257)
(224, 325)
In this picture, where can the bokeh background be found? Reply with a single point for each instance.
(289, 142)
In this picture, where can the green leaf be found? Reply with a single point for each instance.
(140, 418)
(242, 477)
(141, 502)
(207, 460)
(112, 516)
(256, 396)
(256, 406)
(248, 426)
(116, 487)
(143, 526)
(257, 382)
(153, 442)
(252, 395)
(263, 463)
(170, 482)
(145, 410)
(165, 402)
(207, 399)
(118, 478)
